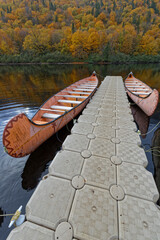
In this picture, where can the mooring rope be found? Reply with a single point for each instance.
(144, 134)
(6, 215)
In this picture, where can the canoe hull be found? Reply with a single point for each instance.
(28, 136)
(135, 88)
(149, 104)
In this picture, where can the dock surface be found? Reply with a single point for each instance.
(97, 187)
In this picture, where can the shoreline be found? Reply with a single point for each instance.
(77, 63)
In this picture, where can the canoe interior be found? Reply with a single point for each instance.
(65, 101)
(137, 87)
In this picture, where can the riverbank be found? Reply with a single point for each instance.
(59, 58)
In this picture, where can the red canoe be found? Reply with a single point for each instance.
(144, 96)
(22, 136)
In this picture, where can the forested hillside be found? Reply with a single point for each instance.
(80, 28)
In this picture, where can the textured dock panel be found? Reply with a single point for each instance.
(102, 147)
(123, 134)
(94, 214)
(100, 172)
(123, 123)
(66, 164)
(131, 153)
(76, 142)
(28, 231)
(138, 219)
(106, 121)
(105, 132)
(82, 128)
(91, 111)
(137, 181)
(87, 118)
(47, 206)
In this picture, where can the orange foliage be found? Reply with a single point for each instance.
(80, 27)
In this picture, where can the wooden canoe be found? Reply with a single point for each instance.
(144, 96)
(22, 135)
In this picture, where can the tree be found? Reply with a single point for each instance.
(73, 27)
(37, 41)
(97, 9)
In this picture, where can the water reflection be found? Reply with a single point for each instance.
(37, 161)
(156, 158)
(141, 119)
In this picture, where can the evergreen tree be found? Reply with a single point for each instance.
(73, 27)
(148, 3)
(114, 5)
(138, 24)
(92, 11)
(106, 52)
(51, 7)
(97, 9)
(43, 2)
(154, 6)
(148, 17)
(56, 18)
(101, 3)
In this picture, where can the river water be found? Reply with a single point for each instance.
(24, 89)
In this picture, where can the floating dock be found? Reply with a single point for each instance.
(97, 187)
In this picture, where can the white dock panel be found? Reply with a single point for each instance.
(66, 164)
(47, 206)
(100, 172)
(131, 153)
(93, 214)
(82, 128)
(29, 231)
(137, 181)
(138, 219)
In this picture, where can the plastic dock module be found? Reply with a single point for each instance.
(97, 187)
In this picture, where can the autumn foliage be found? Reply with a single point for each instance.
(80, 28)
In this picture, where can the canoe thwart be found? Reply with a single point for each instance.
(61, 107)
(69, 101)
(50, 115)
(72, 96)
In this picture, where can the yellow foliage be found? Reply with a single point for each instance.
(149, 45)
(99, 25)
(37, 40)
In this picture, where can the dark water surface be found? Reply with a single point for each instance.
(24, 89)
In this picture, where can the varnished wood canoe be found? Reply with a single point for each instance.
(144, 96)
(22, 135)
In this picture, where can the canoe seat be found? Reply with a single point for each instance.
(83, 89)
(84, 93)
(47, 109)
(50, 115)
(61, 107)
(142, 93)
(69, 101)
(72, 96)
